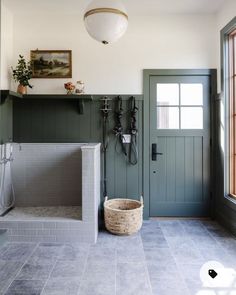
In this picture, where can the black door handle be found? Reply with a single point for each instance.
(154, 152)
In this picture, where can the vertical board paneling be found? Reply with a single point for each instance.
(161, 162)
(35, 120)
(170, 168)
(140, 150)
(59, 121)
(111, 180)
(6, 121)
(49, 126)
(158, 172)
(189, 169)
(198, 169)
(180, 169)
(132, 172)
(120, 176)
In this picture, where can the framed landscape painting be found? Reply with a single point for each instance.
(51, 63)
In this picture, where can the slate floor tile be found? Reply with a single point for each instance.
(130, 255)
(130, 249)
(64, 269)
(204, 242)
(156, 270)
(180, 242)
(150, 230)
(161, 256)
(191, 275)
(184, 251)
(229, 245)
(57, 286)
(216, 254)
(194, 287)
(97, 272)
(74, 251)
(166, 223)
(219, 233)
(25, 287)
(8, 271)
(173, 231)
(99, 288)
(190, 271)
(46, 253)
(106, 239)
(101, 254)
(128, 241)
(191, 223)
(165, 255)
(154, 242)
(4, 246)
(132, 279)
(169, 286)
(187, 255)
(35, 271)
(196, 231)
(208, 224)
(17, 251)
(150, 224)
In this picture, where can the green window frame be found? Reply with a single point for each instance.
(228, 82)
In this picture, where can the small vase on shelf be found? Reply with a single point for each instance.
(22, 74)
(69, 88)
(79, 87)
(21, 89)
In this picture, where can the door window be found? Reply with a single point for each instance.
(179, 106)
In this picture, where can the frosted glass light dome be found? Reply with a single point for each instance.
(106, 20)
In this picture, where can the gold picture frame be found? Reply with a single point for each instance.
(51, 64)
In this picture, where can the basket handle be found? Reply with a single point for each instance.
(141, 200)
(106, 199)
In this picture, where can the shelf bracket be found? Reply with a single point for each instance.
(81, 106)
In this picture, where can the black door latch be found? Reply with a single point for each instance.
(154, 152)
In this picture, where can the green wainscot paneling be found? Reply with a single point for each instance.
(5, 117)
(45, 120)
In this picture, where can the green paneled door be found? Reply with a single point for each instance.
(180, 132)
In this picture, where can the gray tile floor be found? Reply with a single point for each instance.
(163, 259)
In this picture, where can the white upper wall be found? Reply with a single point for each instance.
(6, 43)
(224, 16)
(161, 34)
(226, 13)
(162, 41)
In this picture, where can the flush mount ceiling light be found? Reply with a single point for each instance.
(106, 20)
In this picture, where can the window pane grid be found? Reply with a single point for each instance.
(179, 106)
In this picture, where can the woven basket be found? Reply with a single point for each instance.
(123, 216)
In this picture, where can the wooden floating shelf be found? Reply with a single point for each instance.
(31, 97)
(51, 96)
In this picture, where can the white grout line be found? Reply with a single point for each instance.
(176, 261)
(23, 263)
(146, 268)
(85, 265)
(49, 275)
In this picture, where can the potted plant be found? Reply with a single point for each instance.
(22, 74)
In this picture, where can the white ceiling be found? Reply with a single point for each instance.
(134, 7)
